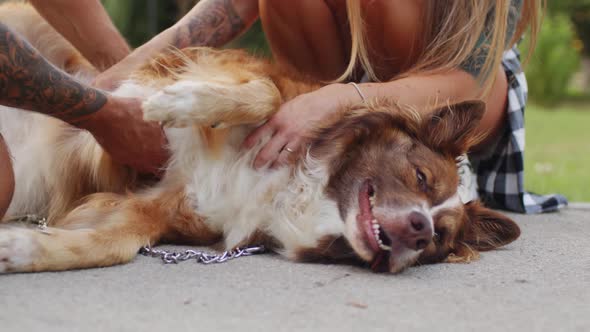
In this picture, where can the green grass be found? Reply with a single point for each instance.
(557, 155)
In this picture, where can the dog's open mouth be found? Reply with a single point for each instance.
(375, 238)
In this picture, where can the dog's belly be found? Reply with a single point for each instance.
(223, 187)
(238, 201)
(32, 141)
(28, 136)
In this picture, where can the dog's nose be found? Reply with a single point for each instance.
(413, 230)
(418, 221)
(419, 232)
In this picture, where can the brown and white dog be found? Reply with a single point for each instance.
(377, 185)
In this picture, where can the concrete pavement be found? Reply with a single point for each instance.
(539, 283)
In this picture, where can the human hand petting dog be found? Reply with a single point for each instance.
(120, 129)
(296, 119)
(31, 83)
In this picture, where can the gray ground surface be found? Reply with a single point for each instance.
(539, 283)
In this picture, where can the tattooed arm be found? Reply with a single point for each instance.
(474, 64)
(210, 23)
(215, 22)
(29, 82)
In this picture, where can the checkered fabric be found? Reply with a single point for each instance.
(500, 170)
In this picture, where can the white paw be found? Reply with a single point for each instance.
(181, 104)
(17, 246)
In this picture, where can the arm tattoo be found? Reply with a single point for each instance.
(29, 81)
(214, 25)
(474, 63)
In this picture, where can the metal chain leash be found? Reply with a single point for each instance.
(168, 257)
(31, 219)
(173, 257)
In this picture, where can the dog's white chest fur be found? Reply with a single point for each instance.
(235, 199)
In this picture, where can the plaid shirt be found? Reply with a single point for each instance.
(499, 172)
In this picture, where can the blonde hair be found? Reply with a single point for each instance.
(453, 35)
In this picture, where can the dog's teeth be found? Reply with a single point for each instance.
(384, 247)
(376, 231)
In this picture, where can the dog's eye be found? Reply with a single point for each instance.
(439, 235)
(422, 181)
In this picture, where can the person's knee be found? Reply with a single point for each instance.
(6, 178)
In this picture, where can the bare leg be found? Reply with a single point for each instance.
(306, 35)
(494, 118)
(6, 178)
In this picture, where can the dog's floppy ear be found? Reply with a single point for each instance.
(451, 129)
(332, 142)
(486, 229)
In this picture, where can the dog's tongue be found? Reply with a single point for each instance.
(364, 202)
(380, 262)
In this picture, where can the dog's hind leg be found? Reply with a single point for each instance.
(55, 249)
(108, 229)
(213, 103)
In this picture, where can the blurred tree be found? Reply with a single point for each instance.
(139, 20)
(554, 62)
(184, 6)
(579, 13)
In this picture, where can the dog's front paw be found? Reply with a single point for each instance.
(181, 104)
(17, 247)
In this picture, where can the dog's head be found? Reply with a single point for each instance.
(394, 177)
